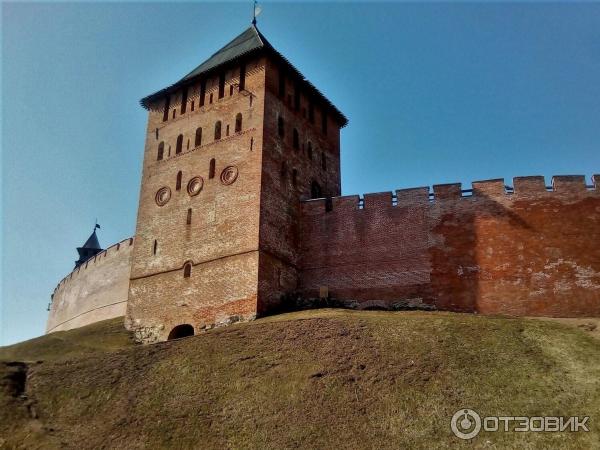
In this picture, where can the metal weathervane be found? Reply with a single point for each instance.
(256, 10)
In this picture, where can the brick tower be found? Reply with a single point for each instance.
(231, 149)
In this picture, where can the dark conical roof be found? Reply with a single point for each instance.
(249, 42)
(92, 242)
(89, 249)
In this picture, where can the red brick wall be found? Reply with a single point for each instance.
(531, 252)
(280, 195)
(221, 241)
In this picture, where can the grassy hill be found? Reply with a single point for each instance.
(316, 379)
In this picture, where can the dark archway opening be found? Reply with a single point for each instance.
(181, 331)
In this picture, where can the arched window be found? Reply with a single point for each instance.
(238, 123)
(178, 182)
(181, 331)
(198, 140)
(323, 161)
(161, 151)
(296, 140)
(280, 127)
(187, 270)
(211, 168)
(179, 144)
(218, 130)
(309, 150)
(189, 217)
(315, 190)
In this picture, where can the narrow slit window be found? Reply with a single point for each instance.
(238, 123)
(188, 220)
(202, 93)
(154, 247)
(187, 270)
(211, 168)
(178, 181)
(198, 139)
(184, 99)
(242, 86)
(221, 85)
(315, 190)
(167, 108)
(161, 151)
(218, 130)
(179, 146)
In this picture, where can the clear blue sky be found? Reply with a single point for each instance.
(435, 93)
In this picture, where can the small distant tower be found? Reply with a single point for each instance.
(89, 249)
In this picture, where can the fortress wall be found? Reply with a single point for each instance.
(371, 252)
(523, 251)
(97, 290)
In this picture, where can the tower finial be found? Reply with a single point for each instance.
(255, 12)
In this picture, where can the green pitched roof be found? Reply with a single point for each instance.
(249, 42)
(245, 43)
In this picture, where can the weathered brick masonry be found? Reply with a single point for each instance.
(226, 231)
(531, 251)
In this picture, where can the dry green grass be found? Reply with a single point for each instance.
(316, 379)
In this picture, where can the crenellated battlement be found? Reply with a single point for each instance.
(525, 249)
(528, 186)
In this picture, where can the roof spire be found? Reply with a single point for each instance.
(256, 10)
(90, 248)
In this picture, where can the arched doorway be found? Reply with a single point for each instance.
(181, 331)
